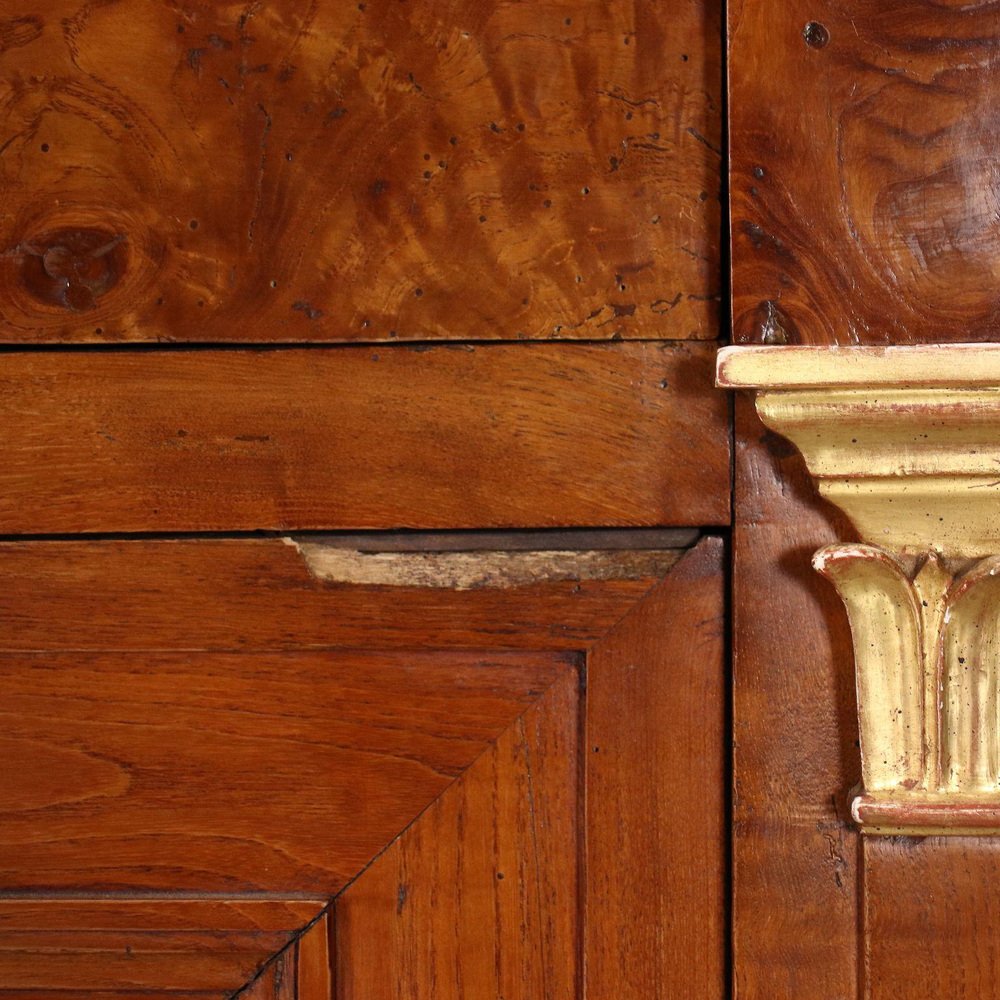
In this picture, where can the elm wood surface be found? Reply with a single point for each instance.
(556, 783)
(176, 771)
(929, 918)
(260, 594)
(359, 171)
(656, 692)
(518, 807)
(303, 971)
(863, 171)
(795, 755)
(149, 946)
(533, 435)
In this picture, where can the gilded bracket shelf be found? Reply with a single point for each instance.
(906, 442)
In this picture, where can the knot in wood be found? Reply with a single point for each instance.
(73, 267)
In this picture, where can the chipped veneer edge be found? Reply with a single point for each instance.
(477, 570)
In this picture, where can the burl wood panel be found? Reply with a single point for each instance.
(533, 435)
(651, 769)
(143, 946)
(222, 772)
(492, 911)
(342, 171)
(864, 173)
(795, 755)
(930, 918)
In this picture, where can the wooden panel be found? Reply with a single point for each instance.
(314, 962)
(656, 781)
(247, 769)
(224, 772)
(795, 910)
(275, 982)
(501, 436)
(301, 972)
(864, 206)
(930, 921)
(261, 594)
(478, 898)
(146, 946)
(366, 171)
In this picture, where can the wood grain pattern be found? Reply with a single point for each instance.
(282, 772)
(930, 923)
(219, 594)
(277, 981)
(494, 436)
(301, 971)
(286, 171)
(864, 209)
(314, 961)
(289, 769)
(795, 906)
(151, 946)
(649, 772)
(478, 898)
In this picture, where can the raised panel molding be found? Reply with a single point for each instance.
(286, 765)
(177, 946)
(904, 442)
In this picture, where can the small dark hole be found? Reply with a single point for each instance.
(193, 223)
(45, 147)
(816, 35)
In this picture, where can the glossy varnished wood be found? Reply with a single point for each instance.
(863, 177)
(930, 925)
(795, 755)
(494, 911)
(648, 773)
(218, 594)
(496, 436)
(281, 772)
(151, 946)
(363, 171)
(301, 971)
(245, 768)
